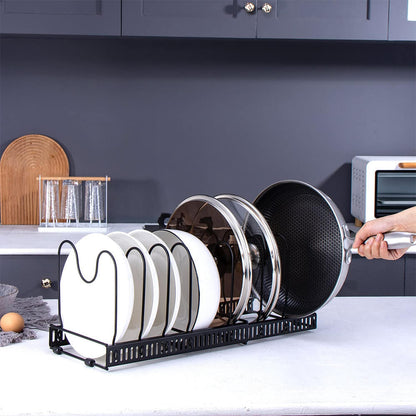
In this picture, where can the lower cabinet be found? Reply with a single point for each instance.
(27, 273)
(410, 276)
(365, 277)
(375, 278)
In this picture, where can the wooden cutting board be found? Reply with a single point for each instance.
(22, 162)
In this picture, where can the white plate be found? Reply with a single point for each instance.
(151, 298)
(89, 308)
(161, 257)
(203, 300)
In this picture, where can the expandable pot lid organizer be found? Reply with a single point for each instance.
(311, 235)
(214, 224)
(264, 252)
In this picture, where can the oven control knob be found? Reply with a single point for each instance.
(250, 7)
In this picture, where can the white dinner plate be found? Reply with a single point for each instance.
(139, 265)
(162, 257)
(89, 309)
(196, 265)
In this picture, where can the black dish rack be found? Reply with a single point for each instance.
(228, 332)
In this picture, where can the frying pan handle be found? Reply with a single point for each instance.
(398, 240)
(395, 240)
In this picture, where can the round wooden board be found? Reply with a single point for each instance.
(22, 162)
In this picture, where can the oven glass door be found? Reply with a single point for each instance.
(395, 191)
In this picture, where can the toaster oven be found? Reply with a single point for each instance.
(382, 185)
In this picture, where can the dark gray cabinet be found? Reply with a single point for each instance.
(410, 276)
(273, 19)
(375, 277)
(291, 19)
(323, 19)
(61, 17)
(27, 272)
(188, 18)
(365, 277)
(400, 28)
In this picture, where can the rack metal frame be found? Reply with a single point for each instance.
(231, 332)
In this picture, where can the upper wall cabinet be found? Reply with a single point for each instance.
(189, 18)
(60, 17)
(402, 23)
(273, 19)
(292, 19)
(323, 19)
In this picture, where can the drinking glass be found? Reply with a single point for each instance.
(50, 202)
(94, 201)
(71, 201)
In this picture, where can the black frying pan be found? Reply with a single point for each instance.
(314, 245)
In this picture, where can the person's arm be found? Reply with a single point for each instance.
(375, 247)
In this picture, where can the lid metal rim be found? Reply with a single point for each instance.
(271, 245)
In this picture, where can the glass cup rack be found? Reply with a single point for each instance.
(74, 203)
(223, 331)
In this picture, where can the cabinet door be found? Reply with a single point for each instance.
(60, 17)
(27, 273)
(402, 20)
(188, 18)
(323, 19)
(410, 275)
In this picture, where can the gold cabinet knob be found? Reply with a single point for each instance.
(250, 7)
(267, 8)
(46, 283)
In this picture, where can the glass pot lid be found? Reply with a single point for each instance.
(216, 226)
(264, 253)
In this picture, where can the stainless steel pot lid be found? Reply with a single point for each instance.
(311, 235)
(215, 225)
(264, 252)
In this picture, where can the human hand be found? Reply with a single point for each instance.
(369, 240)
(375, 247)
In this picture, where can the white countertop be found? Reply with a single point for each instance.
(360, 360)
(27, 240)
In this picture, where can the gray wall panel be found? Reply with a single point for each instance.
(167, 118)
